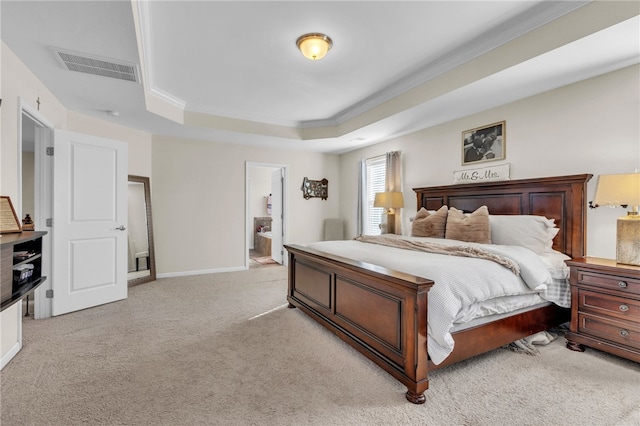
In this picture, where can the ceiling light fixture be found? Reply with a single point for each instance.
(314, 45)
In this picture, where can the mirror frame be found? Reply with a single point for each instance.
(152, 254)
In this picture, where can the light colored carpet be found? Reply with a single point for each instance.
(223, 349)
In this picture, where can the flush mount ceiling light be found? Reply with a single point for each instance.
(314, 45)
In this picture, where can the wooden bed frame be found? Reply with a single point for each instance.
(383, 313)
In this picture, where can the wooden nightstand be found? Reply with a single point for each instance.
(605, 307)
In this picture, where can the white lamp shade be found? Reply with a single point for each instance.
(618, 190)
(393, 200)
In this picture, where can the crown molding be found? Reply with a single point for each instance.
(540, 15)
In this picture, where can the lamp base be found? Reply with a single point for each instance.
(391, 223)
(628, 240)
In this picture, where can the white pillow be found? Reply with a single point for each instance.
(533, 232)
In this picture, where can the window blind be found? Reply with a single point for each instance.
(375, 182)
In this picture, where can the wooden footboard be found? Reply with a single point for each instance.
(380, 312)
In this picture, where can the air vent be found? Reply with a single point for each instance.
(82, 62)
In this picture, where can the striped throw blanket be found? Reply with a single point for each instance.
(430, 247)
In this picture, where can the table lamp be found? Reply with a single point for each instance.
(623, 190)
(389, 200)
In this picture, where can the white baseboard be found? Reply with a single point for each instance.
(10, 354)
(201, 272)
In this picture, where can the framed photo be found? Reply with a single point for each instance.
(8, 219)
(486, 143)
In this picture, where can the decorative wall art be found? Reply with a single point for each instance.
(486, 143)
(315, 188)
(8, 219)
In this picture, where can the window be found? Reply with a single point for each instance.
(375, 172)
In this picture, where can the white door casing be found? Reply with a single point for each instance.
(277, 181)
(43, 178)
(89, 221)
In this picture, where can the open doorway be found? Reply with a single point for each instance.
(34, 196)
(26, 204)
(265, 210)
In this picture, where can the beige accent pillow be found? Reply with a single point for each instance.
(427, 224)
(473, 228)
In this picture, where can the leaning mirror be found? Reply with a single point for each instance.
(141, 259)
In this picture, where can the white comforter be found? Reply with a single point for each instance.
(465, 288)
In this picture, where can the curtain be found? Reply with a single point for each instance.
(362, 169)
(393, 182)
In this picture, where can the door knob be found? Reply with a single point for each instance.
(121, 228)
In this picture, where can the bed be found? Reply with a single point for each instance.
(383, 313)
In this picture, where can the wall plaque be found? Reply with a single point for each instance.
(484, 174)
(315, 188)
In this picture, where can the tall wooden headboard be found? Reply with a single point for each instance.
(562, 198)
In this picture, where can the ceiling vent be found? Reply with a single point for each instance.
(89, 64)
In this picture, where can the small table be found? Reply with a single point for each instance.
(605, 307)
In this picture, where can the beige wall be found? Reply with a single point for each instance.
(199, 201)
(588, 127)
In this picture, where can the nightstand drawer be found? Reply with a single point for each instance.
(612, 282)
(622, 332)
(609, 305)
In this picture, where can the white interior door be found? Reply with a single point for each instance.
(277, 181)
(89, 221)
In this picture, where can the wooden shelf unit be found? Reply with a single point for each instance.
(11, 291)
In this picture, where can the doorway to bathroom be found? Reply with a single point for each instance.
(266, 213)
